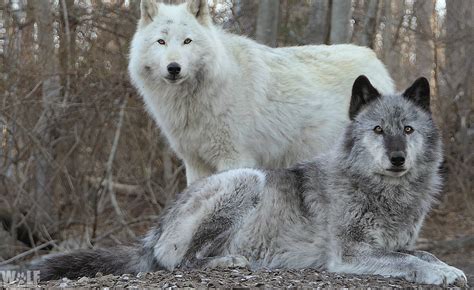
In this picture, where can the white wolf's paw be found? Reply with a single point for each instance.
(228, 262)
(440, 275)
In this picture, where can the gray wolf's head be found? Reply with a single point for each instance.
(172, 43)
(392, 135)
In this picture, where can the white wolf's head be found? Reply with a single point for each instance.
(172, 42)
(392, 135)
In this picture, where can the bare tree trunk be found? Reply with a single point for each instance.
(340, 21)
(67, 47)
(459, 68)
(456, 101)
(366, 36)
(423, 10)
(391, 51)
(267, 22)
(50, 99)
(245, 14)
(11, 64)
(318, 24)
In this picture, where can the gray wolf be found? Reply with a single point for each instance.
(357, 209)
(224, 101)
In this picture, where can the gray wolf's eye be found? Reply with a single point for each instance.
(187, 41)
(408, 130)
(378, 130)
(161, 41)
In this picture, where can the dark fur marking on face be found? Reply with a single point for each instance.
(395, 143)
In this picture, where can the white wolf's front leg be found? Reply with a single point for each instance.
(236, 162)
(361, 258)
(196, 170)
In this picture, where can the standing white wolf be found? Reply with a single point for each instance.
(224, 101)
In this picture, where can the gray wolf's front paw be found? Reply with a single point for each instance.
(439, 275)
(459, 277)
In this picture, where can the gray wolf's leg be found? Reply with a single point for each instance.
(203, 218)
(425, 256)
(361, 258)
(220, 262)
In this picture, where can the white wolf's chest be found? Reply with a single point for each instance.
(192, 126)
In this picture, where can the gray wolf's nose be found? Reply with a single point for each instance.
(174, 69)
(397, 158)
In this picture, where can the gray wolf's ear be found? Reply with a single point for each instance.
(200, 10)
(149, 9)
(362, 93)
(419, 93)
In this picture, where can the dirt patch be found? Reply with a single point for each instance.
(234, 278)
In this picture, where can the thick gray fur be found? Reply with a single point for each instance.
(349, 211)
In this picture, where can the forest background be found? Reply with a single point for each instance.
(82, 164)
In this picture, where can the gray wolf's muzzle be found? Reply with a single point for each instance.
(397, 158)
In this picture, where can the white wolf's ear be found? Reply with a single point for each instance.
(149, 9)
(200, 9)
(362, 93)
(419, 93)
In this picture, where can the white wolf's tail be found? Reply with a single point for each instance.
(116, 261)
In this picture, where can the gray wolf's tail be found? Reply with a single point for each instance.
(116, 261)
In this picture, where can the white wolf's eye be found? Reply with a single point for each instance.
(378, 130)
(187, 41)
(161, 41)
(408, 130)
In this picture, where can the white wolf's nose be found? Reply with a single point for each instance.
(174, 69)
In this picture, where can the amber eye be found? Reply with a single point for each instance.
(408, 130)
(161, 41)
(187, 41)
(378, 130)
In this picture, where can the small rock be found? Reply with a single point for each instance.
(106, 277)
(83, 280)
(63, 285)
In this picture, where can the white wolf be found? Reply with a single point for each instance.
(224, 101)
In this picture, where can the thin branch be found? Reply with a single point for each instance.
(29, 252)
(109, 173)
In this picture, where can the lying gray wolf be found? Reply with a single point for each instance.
(224, 101)
(357, 209)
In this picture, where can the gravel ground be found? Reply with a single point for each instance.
(237, 277)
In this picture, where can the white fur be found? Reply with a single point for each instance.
(239, 103)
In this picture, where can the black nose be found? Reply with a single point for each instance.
(174, 69)
(397, 158)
